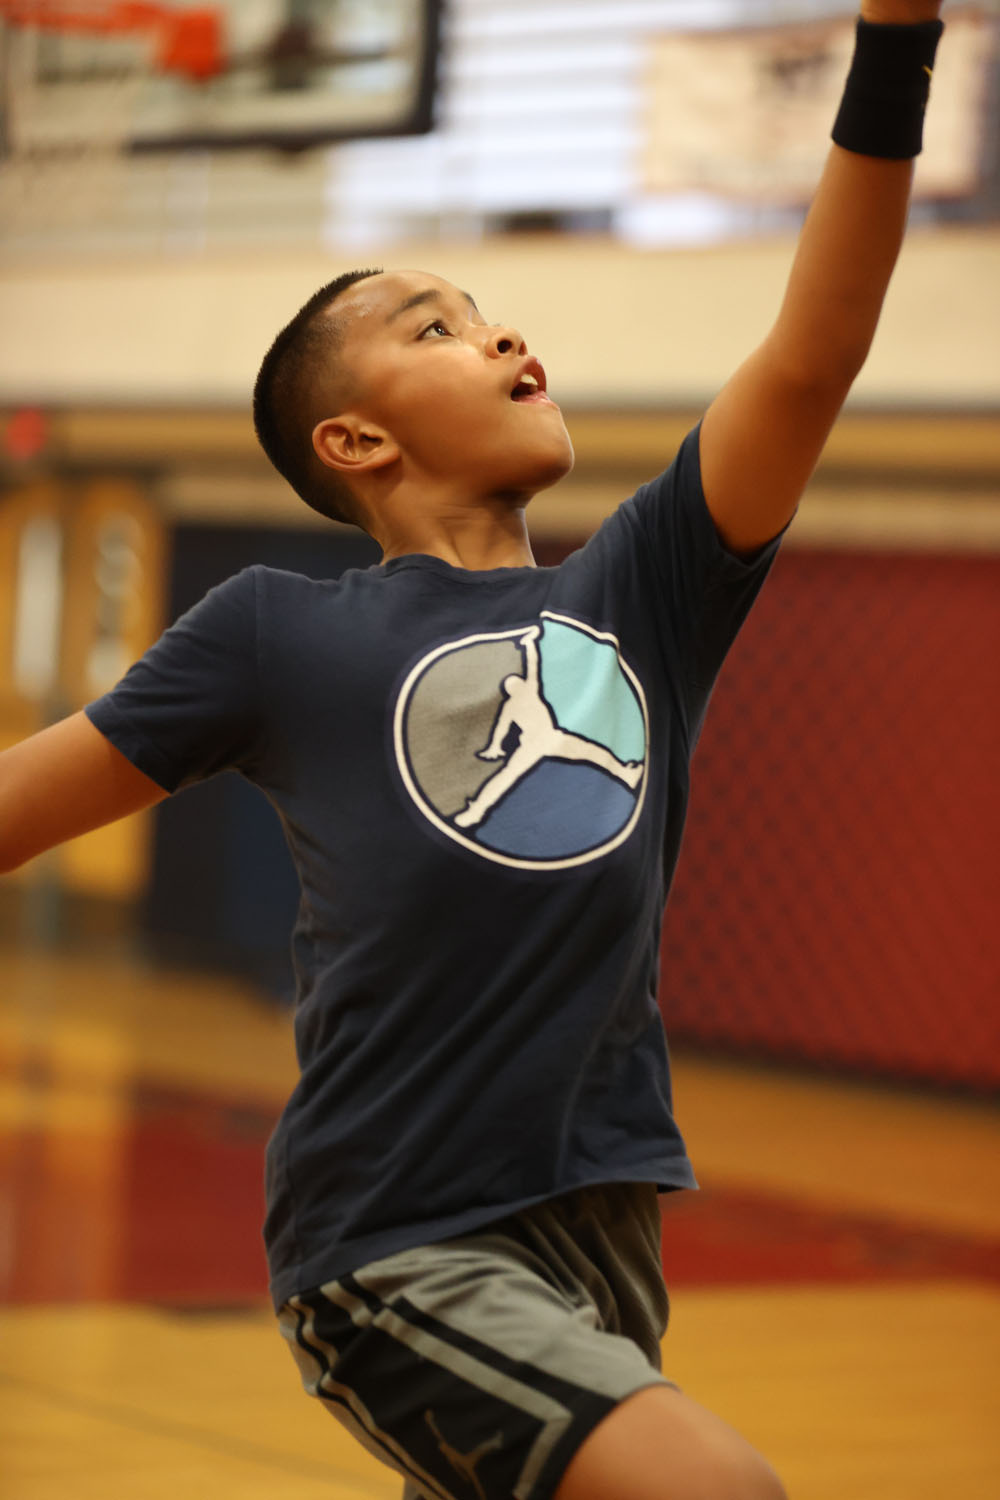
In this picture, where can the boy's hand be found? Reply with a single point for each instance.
(899, 12)
(63, 782)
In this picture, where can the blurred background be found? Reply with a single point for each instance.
(623, 182)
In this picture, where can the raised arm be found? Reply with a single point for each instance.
(62, 782)
(529, 645)
(763, 434)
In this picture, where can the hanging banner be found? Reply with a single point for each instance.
(748, 114)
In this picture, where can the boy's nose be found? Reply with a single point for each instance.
(503, 340)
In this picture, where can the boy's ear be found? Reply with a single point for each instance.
(351, 445)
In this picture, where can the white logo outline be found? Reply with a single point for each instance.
(454, 833)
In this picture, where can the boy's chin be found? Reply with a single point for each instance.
(555, 473)
(549, 468)
(518, 478)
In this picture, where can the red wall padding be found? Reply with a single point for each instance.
(837, 894)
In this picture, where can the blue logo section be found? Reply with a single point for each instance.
(583, 680)
(528, 746)
(556, 810)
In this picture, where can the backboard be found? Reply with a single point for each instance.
(290, 74)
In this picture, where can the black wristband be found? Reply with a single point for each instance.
(882, 111)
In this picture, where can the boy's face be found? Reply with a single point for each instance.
(428, 368)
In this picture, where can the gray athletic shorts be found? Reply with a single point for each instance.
(476, 1366)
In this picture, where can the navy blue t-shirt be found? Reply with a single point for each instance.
(482, 777)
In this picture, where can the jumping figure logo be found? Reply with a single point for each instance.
(528, 746)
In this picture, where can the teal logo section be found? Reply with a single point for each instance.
(528, 746)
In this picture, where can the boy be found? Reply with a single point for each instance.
(481, 767)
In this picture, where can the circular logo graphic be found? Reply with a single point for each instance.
(528, 746)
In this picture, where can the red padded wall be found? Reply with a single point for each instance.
(837, 895)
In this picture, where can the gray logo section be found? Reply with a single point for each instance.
(450, 717)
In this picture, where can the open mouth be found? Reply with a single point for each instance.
(530, 388)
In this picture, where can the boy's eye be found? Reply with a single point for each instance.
(436, 327)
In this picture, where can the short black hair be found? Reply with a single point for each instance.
(281, 404)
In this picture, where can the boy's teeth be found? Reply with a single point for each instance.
(528, 385)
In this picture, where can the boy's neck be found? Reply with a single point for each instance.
(476, 538)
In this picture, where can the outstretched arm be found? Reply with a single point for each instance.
(763, 434)
(62, 782)
(529, 644)
(501, 729)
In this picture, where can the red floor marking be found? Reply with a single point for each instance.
(739, 1237)
(184, 1225)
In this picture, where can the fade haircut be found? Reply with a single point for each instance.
(282, 405)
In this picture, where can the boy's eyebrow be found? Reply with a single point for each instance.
(419, 298)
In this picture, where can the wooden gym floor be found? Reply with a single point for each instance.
(835, 1286)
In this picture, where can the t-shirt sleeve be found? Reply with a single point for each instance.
(190, 706)
(695, 591)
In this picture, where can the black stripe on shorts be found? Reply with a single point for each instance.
(481, 1423)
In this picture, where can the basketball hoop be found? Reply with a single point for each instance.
(72, 76)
